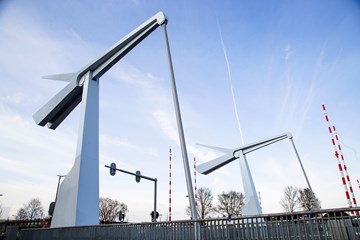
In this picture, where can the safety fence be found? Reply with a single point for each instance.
(324, 224)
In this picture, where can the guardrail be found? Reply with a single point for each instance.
(325, 224)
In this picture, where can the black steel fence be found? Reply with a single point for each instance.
(324, 224)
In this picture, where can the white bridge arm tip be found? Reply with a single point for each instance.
(161, 18)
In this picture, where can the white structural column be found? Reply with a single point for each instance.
(191, 197)
(78, 200)
(251, 202)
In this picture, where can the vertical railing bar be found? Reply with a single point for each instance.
(309, 225)
(256, 229)
(221, 226)
(284, 228)
(252, 229)
(287, 227)
(324, 226)
(317, 225)
(335, 228)
(237, 231)
(343, 226)
(329, 227)
(291, 226)
(226, 229)
(220, 229)
(306, 219)
(277, 227)
(212, 229)
(242, 229)
(203, 230)
(269, 227)
(348, 227)
(357, 225)
(295, 225)
(300, 225)
(248, 228)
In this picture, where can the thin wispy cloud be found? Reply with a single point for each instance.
(231, 86)
(288, 51)
(116, 142)
(167, 124)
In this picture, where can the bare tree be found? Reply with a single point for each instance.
(290, 199)
(32, 210)
(110, 209)
(231, 203)
(21, 214)
(307, 200)
(204, 204)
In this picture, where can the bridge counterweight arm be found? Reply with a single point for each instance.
(61, 105)
(233, 154)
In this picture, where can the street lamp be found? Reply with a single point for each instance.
(52, 204)
(138, 176)
(57, 190)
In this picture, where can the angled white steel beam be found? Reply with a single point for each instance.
(235, 153)
(62, 104)
(251, 201)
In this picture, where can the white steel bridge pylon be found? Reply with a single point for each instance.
(252, 205)
(78, 199)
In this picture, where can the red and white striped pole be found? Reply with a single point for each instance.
(337, 157)
(345, 168)
(195, 182)
(358, 183)
(170, 186)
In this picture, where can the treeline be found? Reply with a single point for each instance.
(299, 199)
(110, 210)
(229, 204)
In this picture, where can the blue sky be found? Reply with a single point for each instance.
(286, 59)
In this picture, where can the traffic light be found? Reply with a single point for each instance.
(156, 215)
(51, 208)
(138, 176)
(121, 216)
(112, 169)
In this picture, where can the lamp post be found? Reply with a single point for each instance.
(57, 189)
(52, 204)
(138, 176)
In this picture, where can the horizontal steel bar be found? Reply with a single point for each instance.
(134, 174)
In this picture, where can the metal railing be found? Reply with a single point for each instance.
(324, 224)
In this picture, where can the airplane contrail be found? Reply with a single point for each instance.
(231, 85)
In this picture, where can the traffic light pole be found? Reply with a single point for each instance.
(154, 216)
(138, 176)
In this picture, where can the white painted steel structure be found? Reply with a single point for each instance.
(251, 202)
(78, 199)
